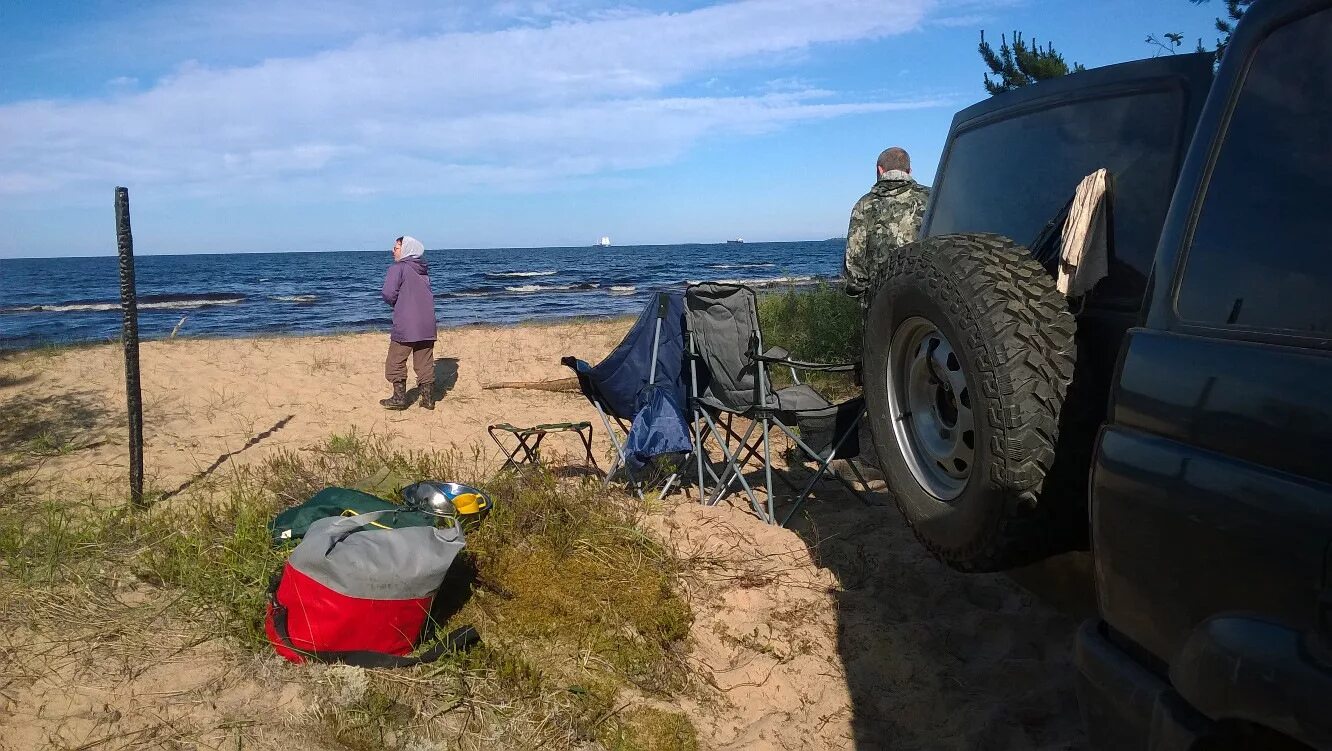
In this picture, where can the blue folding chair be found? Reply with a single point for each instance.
(640, 389)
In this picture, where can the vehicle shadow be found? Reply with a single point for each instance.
(934, 658)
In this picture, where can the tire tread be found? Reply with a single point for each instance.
(1022, 337)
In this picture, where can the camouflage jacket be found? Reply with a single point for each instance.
(887, 217)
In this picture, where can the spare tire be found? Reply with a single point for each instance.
(968, 353)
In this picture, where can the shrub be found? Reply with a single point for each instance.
(816, 324)
(819, 323)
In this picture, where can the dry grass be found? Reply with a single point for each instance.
(579, 609)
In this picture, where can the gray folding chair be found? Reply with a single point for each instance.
(729, 377)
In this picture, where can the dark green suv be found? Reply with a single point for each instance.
(1176, 420)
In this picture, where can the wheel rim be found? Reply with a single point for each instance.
(931, 408)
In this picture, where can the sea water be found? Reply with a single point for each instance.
(247, 294)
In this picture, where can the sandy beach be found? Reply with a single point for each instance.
(242, 399)
(838, 633)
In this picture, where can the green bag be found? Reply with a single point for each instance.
(291, 524)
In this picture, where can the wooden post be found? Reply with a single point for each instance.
(129, 338)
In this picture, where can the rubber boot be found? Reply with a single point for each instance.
(399, 398)
(427, 395)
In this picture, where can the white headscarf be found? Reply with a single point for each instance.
(411, 248)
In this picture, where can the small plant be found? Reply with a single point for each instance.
(50, 443)
(343, 443)
(651, 729)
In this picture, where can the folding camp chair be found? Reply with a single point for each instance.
(650, 359)
(729, 371)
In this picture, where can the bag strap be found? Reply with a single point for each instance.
(458, 640)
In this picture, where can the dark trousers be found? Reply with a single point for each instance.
(423, 362)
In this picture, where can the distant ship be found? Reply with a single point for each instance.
(736, 241)
(604, 242)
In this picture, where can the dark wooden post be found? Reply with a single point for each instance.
(129, 338)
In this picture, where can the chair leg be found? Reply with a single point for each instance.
(699, 451)
(767, 470)
(750, 451)
(734, 465)
(534, 454)
(509, 460)
(856, 471)
(824, 463)
(618, 460)
(587, 447)
(730, 460)
(670, 481)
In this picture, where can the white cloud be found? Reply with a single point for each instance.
(568, 91)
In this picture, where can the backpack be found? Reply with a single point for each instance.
(292, 523)
(360, 593)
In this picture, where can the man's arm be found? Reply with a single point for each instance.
(857, 246)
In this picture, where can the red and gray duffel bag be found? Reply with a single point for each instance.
(360, 593)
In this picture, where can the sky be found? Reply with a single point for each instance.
(303, 125)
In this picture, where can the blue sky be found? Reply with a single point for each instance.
(270, 125)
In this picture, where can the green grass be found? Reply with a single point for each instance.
(51, 443)
(816, 324)
(575, 602)
(344, 443)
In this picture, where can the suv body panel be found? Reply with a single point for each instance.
(1211, 496)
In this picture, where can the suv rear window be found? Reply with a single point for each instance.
(1012, 176)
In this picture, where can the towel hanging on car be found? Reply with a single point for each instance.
(1084, 246)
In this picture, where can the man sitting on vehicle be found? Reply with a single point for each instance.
(885, 218)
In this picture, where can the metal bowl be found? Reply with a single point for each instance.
(436, 498)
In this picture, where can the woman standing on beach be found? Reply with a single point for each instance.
(407, 289)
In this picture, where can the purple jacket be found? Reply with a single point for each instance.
(407, 289)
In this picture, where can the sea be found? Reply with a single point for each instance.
(64, 300)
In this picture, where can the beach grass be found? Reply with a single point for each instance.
(579, 608)
(820, 323)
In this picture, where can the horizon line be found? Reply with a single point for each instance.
(428, 250)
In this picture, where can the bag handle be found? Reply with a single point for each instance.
(458, 640)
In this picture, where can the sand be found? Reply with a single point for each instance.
(838, 633)
(239, 400)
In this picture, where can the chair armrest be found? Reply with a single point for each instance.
(829, 367)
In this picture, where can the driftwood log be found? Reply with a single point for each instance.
(561, 385)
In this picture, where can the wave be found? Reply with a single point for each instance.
(527, 289)
(625, 289)
(518, 274)
(741, 265)
(294, 298)
(145, 302)
(772, 281)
